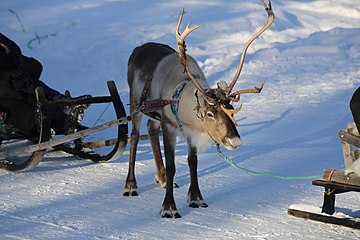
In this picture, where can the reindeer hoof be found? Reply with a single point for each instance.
(130, 194)
(160, 183)
(160, 178)
(169, 213)
(197, 204)
(163, 185)
(130, 189)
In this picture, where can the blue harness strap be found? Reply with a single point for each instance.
(177, 96)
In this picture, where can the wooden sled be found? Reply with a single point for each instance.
(336, 182)
(34, 153)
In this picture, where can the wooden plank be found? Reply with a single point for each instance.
(110, 142)
(72, 101)
(347, 222)
(340, 177)
(350, 138)
(66, 138)
(338, 186)
(348, 154)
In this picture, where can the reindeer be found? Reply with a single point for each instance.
(171, 89)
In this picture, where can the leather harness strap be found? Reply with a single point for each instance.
(146, 88)
(147, 106)
(156, 104)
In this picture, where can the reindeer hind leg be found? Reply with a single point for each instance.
(153, 129)
(130, 188)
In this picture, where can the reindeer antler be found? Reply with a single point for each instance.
(223, 92)
(180, 40)
(270, 20)
(235, 97)
(231, 113)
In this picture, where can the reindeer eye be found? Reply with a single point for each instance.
(210, 114)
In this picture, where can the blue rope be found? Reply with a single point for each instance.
(177, 96)
(231, 162)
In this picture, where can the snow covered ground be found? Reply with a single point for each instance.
(309, 61)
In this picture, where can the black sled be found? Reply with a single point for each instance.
(24, 157)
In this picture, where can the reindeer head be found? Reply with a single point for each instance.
(214, 105)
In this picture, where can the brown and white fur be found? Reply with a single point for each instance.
(201, 121)
(202, 114)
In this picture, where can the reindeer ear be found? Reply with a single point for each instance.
(197, 95)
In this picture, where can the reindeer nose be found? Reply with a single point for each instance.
(232, 143)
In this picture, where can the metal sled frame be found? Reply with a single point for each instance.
(39, 150)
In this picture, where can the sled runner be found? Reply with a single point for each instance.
(336, 182)
(20, 155)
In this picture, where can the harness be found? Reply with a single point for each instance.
(147, 106)
(176, 96)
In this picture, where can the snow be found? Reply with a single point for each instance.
(309, 60)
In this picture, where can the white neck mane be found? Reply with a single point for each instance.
(190, 125)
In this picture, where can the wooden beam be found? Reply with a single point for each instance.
(110, 142)
(340, 177)
(347, 222)
(349, 138)
(66, 138)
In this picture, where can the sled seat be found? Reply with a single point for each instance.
(350, 143)
(335, 181)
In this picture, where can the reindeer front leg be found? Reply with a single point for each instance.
(169, 137)
(195, 199)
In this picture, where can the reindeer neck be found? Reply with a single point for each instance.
(187, 113)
